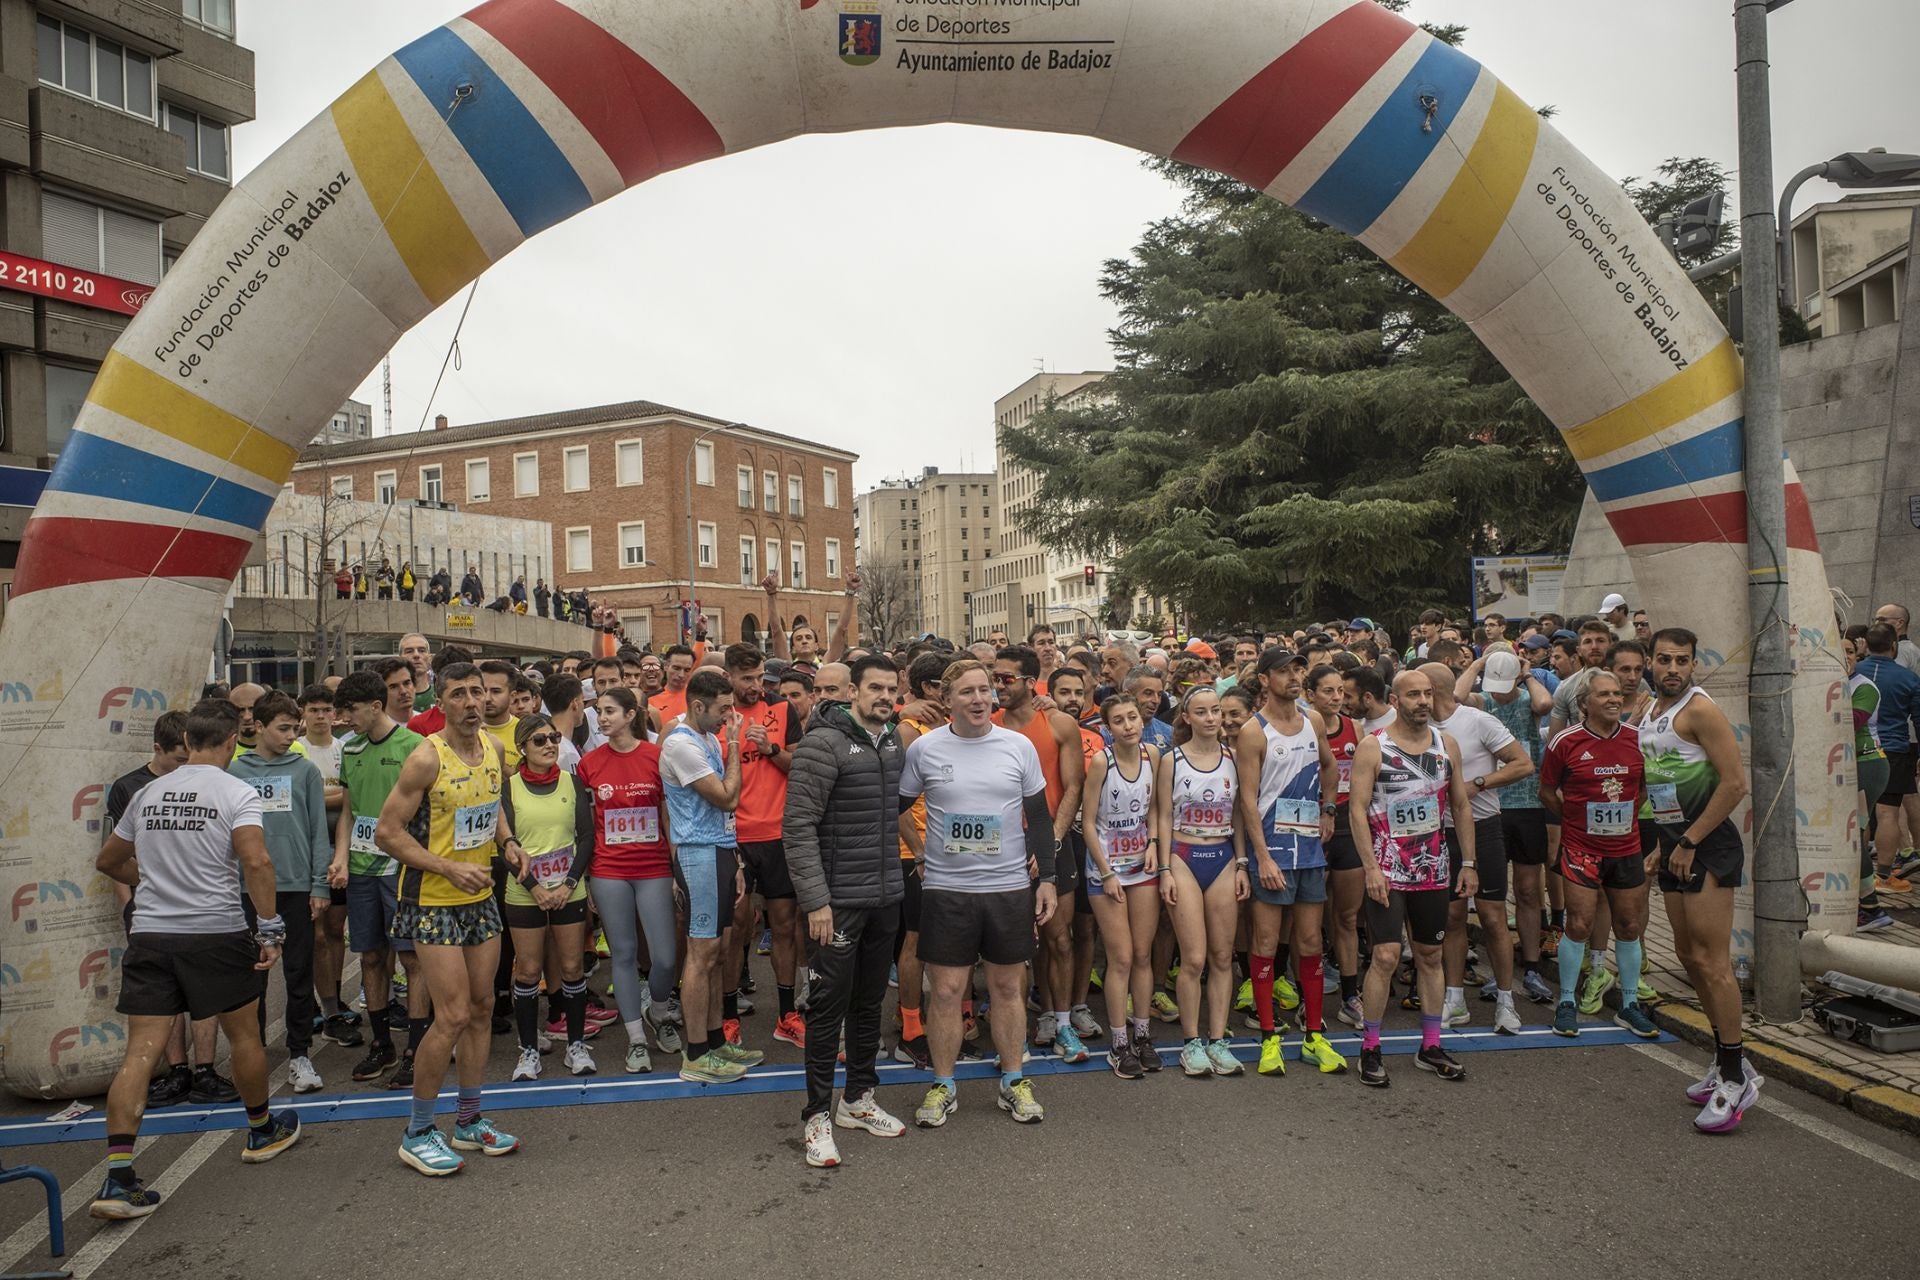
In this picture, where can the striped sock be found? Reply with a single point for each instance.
(257, 1117)
(468, 1109)
(120, 1158)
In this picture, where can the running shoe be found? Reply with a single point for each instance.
(1097, 980)
(820, 1149)
(866, 1114)
(1566, 1019)
(1044, 1030)
(1907, 863)
(543, 1042)
(710, 1069)
(1329, 978)
(1373, 1068)
(1085, 1025)
(396, 1017)
(1869, 919)
(1317, 1049)
(1144, 1050)
(1124, 1062)
(1633, 1018)
(765, 945)
(1890, 883)
(1550, 941)
(742, 1002)
(1033, 1001)
(1411, 1000)
(483, 1137)
(730, 1031)
(210, 1088)
(1352, 1013)
(915, 1053)
(1440, 1062)
(343, 1030)
(1220, 1059)
(402, 1077)
(1286, 993)
(941, 1101)
(1455, 1015)
(302, 1076)
(429, 1153)
(970, 1051)
(282, 1131)
(1193, 1058)
(791, 1028)
(666, 1032)
(379, 1060)
(638, 1061)
(1536, 987)
(1017, 1100)
(1243, 998)
(119, 1201)
(969, 1027)
(1490, 990)
(735, 1052)
(170, 1087)
(1164, 1008)
(1067, 1046)
(598, 1015)
(558, 1028)
(1644, 993)
(1726, 1104)
(1506, 1020)
(1599, 982)
(1702, 1089)
(579, 1059)
(893, 977)
(1272, 1061)
(528, 1068)
(600, 947)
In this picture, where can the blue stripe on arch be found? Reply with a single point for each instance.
(512, 149)
(103, 468)
(1719, 452)
(1377, 165)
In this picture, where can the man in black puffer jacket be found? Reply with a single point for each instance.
(843, 852)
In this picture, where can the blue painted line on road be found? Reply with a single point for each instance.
(785, 1078)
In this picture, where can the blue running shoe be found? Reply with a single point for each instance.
(429, 1153)
(1067, 1045)
(481, 1136)
(1635, 1019)
(282, 1131)
(1566, 1019)
(119, 1201)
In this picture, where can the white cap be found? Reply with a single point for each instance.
(1501, 673)
(1613, 601)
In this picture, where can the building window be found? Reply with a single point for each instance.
(214, 15)
(479, 482)
(829, 487)
(633, 545)
(579, 550)
(430, 484)
(75, 59)
(343, 487)
(797, 557)
(833, 557)
(796, 501)
(386, 485)
(747, 575)
(744, 477)
(773, 555)
(67, 388)
(574, 470)
(770, 491)
(963, 533)
(966, 575)
(703, 463)
(629, 464)
(708, 535)
(93, 237)
(964, 555)
(207, 153)
(526, 475)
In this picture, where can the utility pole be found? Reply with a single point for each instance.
(386, 390)
(1779, 909)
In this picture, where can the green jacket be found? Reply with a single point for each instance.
(293, 814)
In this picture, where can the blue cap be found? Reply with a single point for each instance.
(1564, 634)
(1535, 641)
(1360, 624)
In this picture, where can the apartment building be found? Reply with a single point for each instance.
(886, 521)
(957, 532)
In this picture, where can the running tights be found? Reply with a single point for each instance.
(626, 908)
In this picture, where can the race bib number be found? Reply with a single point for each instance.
(639, 825)
(1609, 817)
(276, 794)
(973, 833)
(732, 826)
(360, 839)
(1207, 817)
(1295, 818)
(1419, 817)
(550, 869)
(1127, 849)
(1664, 800)
(473, 824)
(1346, 776)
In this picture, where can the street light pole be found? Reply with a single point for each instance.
(693, 546)
(1779, 909)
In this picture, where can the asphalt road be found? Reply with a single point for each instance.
(1580, 1159)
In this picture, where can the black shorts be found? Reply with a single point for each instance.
(523, 915)
(198, 974)
(1489, 859)
(1900, 777)
(1595, 871)
(1525, 833)
(766, 864)
(1069, 872)
(1421, 912)
(1721, 853)
(910, 898)
(338, 896)
(1342, 853)
(959, 928)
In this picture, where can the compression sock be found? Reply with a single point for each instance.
(120, 1158)
(730, 1005)
(1261, 973)
(1630, 956)
(1370, 1038)
(910, 1025)
(1732, 1071)
(526, 1013)
(575, 1002)
(1312, 997)
(1569, 961)
(786, 999)
(422, 1117)
(377, 1024)
(257, 1116)
(468, 1108)
(1429, 1031)
(1349, 985)
(416, 1032)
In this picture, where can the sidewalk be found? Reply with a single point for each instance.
(1884, 1087)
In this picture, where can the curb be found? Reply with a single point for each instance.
(1883, 1104)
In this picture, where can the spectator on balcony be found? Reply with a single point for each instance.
(343, 583)
(359, 582)
(518, 594)
(542, 597)
(383, 579)
(470, 589)
(407, 580)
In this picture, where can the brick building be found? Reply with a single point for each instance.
(613, 482)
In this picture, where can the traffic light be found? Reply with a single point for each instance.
(1090, 575)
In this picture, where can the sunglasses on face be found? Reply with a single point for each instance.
(543, 739)
(1002, 678)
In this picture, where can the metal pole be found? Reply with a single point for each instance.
(1779, 909)
(693, 546)
(1784, 229)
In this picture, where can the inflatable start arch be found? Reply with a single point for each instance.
(449, 154)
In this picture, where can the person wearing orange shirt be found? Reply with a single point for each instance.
(671, 702)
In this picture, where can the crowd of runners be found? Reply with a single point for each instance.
(1268, 829)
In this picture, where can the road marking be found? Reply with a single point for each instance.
(33, 1232)
(1805, 1120)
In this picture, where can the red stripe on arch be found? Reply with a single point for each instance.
(640, 118)
(1268, 121)
(60, 551)
(1720, 517)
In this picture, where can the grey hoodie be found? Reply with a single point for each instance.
(293, 804)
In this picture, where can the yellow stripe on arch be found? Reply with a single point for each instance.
(1704, 383)
(422, 220)
(138, 394)
(1462, 227)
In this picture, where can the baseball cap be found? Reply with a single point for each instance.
(1613, 601)
(1536, 642)
(776, 667)
(1276, 657)
(1502, 672)
(1564, 634)
(1361, 624)
(1201, 649)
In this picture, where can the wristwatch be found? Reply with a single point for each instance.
(1480, 784)
(1330, 810)
(1686, 842)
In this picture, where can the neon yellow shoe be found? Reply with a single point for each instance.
(1243, 998)
(1317, 1050)
(1599, 982)
(1164, 1008)
(1283, 991)
(1272, 1063)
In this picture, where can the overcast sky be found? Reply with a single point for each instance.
(878, 291)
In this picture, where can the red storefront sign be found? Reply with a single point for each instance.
(71, 284)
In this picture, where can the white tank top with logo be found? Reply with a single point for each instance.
(1123, 816)
(1203, 799)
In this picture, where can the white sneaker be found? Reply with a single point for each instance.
(1085, 1025)
(1505, 1020)
(639, 1061)
(1044, 1029)
(1727, 1103)
(302, 1076)
(545, 1042)
(1456, 1015)
(1329, 979)
(864, 1113)
(580, 1059)
(821, 1153)
(528, 1068)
